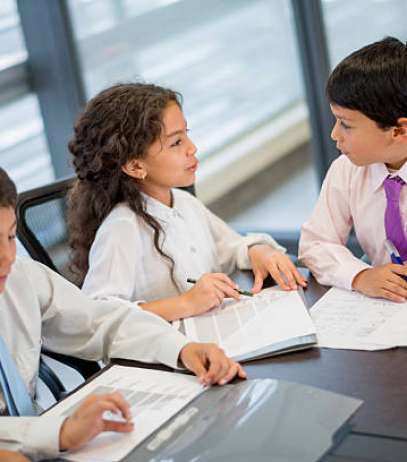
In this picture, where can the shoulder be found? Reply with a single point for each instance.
(120, 218)
(343, 172)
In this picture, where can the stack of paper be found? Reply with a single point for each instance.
(350, 320)
(272, 322)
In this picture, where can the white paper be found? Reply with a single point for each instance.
(253, 323)
(154, 397)
(350, 320)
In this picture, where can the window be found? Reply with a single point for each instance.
(351, 24)
(23, 149)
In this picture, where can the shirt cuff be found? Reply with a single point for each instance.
(243, 260)
(170, 355)
(41, 437)
(346, 273)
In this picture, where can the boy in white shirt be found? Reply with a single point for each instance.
(365, 186)
(38, 307)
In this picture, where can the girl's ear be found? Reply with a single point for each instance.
(401, 129)
(135, 169)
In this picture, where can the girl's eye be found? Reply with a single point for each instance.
(12, 237)
(176, 143)
(345, 126)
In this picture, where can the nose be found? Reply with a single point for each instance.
(334, 132)
(191, 148)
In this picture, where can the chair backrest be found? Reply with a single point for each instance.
(41, 224)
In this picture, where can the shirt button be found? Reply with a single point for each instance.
(193, 249)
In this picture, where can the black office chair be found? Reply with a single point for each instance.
(41, 228)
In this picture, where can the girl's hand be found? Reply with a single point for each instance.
(208, 292)
(87, 421)
(265, 260)
(11, 456)
(210, 364)
(384, 281)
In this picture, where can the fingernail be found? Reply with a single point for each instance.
(222, 382)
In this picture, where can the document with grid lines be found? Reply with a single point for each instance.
(271, 322)
(154, 397)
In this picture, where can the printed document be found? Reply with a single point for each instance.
(350, 320)
(154, 396)
(271, 322)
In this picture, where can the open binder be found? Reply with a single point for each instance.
(177, 419)
(271, 322)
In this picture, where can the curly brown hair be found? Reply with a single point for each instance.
(117, 125)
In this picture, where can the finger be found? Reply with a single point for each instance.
(275, 273)
(398, 269)
(286, 271)
(123, 406)
(297, 275)
(218, 365)
(396, 289)
(230, 373)
(391, 296)
(241, 372)
(227, 291)
(258, 281)
(120, 427)
(396, 279)
(225, 279)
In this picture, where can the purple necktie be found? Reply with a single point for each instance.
(393, 223)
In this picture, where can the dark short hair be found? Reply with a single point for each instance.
(8, 191)
(373, 81)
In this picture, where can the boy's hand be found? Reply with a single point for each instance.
(208, 292)
(383, 282)
(87, 421)
(265, 260)
(210, 364)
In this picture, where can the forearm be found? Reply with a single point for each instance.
(36, 437)
(170, 309)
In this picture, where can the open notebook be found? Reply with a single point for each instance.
(176, 419)
(272, 322)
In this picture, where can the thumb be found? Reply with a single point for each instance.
(193, 360)
(258, 282)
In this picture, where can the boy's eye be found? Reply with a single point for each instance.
(345, 126)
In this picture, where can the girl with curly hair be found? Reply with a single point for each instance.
(134, 234)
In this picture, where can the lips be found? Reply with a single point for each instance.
(193, 167)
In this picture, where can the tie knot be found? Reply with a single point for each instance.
(392, 186)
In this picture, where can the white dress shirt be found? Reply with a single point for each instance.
(39, 307)
(350, 195)
(123, 261)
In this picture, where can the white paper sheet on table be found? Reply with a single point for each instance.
(154, 397)
(273, 321)
(350, 320)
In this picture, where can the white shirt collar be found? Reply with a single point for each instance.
(378, 173)
(161, 211)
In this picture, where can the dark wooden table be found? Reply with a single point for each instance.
(379, 378)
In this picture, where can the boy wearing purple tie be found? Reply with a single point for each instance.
(365, 186)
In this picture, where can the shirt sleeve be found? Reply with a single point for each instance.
(35, 437)
(76, 325)
(322, 246)
(113, 261)
(231, 247)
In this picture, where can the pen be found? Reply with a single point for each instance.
(394, 254)
(241, 292)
